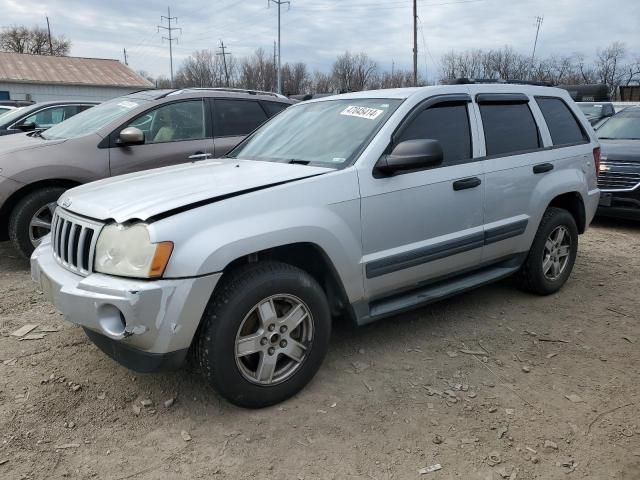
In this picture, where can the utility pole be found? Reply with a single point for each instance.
(170, 38)
(124, 51)
(275, 63)
(415, 43)
(535, 43)
(50, 44)
(279, 3)
(224, 60)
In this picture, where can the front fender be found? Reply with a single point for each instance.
(209, 238)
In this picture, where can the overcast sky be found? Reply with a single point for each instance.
(315, 31)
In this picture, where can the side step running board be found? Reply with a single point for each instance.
(434, 292)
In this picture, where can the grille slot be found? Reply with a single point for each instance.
(620, 175)
(74, 240)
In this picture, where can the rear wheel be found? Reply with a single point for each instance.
(552, 253)
(30, 220)
(264, 335)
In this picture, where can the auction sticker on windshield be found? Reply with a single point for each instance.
(128, 104)
(362, 112)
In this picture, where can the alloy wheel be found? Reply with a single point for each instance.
(40, 224)
(274, 339)
(557, 250)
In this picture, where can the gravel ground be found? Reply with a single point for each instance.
(552, 391)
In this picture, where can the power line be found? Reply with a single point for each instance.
(224, 60)
(170, 38)
(279, 3)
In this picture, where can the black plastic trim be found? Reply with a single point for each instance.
(442, 250)
(502, 98)
(137, 360)
(504, 232)
(422, 255)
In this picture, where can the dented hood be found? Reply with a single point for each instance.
(154, 192)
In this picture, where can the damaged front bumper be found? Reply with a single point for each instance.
(145, 325)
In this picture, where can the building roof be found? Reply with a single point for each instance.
(26, 68)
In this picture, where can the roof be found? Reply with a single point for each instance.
(44, 69)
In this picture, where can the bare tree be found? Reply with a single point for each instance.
(295, 78)
(21, 39)
(608, 65)
(322, 83)
(257, 72)
(354, 72)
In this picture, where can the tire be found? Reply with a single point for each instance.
(537, 275)
(239, 369)
(20, 219)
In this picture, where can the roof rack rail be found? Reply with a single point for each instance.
(231, 90)
(463, 81)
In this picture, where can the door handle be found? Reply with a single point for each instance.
(543, 167)
(199, 156)
(466, 183)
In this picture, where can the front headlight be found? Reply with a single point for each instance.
(127, 251)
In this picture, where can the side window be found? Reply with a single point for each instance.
(172, 122)
(449, 124)
(51, 116)
(273, 108)
(563, 126)
(508, 128)
(237, 117)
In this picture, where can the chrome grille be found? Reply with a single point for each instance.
(619, 175)
(74, 241)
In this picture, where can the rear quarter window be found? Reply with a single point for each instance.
(508, 128)
(563, 125)
(273, 108)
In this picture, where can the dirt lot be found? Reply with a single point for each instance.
(561, 371)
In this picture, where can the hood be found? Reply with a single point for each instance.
(627, 150)
(153, 192)
(23, 141)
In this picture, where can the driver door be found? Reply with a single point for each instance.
(177, 132)
(422, 225)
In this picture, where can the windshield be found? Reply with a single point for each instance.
(621, 127)
(329, 133)
(93, 119)
(592, 110)
(11, 115)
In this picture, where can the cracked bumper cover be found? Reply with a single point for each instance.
(145, 325)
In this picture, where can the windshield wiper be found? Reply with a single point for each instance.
(298, 162)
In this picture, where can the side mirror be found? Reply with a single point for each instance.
(27, 126)
(411, 155)
(131, 136)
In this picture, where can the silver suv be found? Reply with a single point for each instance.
(366, 205)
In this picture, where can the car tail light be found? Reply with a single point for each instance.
(596, 159)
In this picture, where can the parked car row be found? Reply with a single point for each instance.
(144, 130)
(362, 205)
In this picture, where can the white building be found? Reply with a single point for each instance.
(41, 78)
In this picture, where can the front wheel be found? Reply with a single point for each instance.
(264, 334)
(552, 253)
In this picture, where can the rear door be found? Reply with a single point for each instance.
(422, 225)
(234, 119)
(520, 153)
(176, 132)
